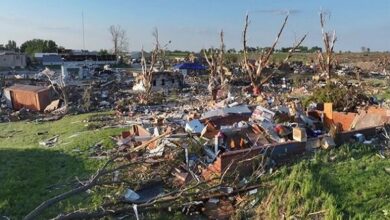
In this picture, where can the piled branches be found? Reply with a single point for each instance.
(104, 175)
(193, 193)
(327, 59)
(256, 71)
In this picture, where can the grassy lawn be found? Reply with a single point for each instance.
(346, 183)
(384, 94)
(30, 173)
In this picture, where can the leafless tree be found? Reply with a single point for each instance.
(327, 59)
(58, 83)
(217, 68)
(119, 39)
(256, 71)
(147, 71)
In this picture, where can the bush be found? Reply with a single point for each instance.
(343, 97)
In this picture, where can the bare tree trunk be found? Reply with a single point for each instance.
(329, 40)
(256, 71)
(147, 72)
(216, 61)
(118, 38)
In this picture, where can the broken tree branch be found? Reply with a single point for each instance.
(93, 181)
(264, 60)
(326, 62)
(48, 203)
(290, 53)
(164, 201)
(255, 71)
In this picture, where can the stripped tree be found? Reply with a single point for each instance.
(147, 71)
(59, 84)
(217, 69)
(119, 39)
(326, 59)
(256, 71)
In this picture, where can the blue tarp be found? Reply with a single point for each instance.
(189, 66)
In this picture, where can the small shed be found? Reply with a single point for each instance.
(35, 98)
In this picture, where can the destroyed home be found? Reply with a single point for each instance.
(161, 81)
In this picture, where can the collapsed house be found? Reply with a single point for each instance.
(161, 81)
(237, 137)
(226, 143)
(30, 97)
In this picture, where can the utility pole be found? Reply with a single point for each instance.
(82, 18)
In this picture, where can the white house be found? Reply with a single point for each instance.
(12, 59)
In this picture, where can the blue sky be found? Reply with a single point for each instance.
(194, 24)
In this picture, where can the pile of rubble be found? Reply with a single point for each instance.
(205, 157)
(226, 149)
(39, 99)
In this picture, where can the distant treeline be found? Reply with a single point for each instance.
(301, 49)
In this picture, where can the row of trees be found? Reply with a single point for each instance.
(11, 45)
(39, 46)
(302, 49)
(118, 38)
(32, 46)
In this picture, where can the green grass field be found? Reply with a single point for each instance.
(344, 183)
(30, 173)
